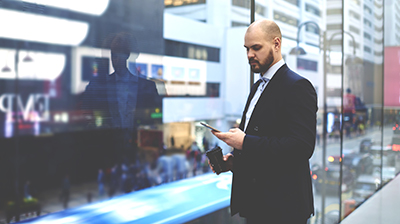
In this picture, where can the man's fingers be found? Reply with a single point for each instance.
(226, 157)
(211, 167)
(220, 135)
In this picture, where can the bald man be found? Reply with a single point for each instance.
(275, 139)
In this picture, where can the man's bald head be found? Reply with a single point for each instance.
(268, 27)
(263, 44)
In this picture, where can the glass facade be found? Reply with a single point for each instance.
(105, 98)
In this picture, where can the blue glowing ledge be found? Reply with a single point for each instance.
(176, 202)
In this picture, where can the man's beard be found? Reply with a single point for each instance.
(263, 67)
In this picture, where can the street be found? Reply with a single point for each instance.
(333, 148)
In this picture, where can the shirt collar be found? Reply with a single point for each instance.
(128, 77)
(272, 70)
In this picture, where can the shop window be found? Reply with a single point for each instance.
(285, 18)
(294, 2)
(307, 64)
(313, 10)
(186, 50)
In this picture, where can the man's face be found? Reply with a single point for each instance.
(259, 51)
(119, 60)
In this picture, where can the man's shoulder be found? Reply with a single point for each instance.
(292, 74)
(290, 78)
(288, 75)
(295, 77)
(143, 80)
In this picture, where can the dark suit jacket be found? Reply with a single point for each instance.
(101, 97)
(271, 174)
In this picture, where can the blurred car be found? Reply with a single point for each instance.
(359, 163)
(396, 126)
(366, 185)
(388, 173)
(332, 180)
(382, 155)
(365, 145)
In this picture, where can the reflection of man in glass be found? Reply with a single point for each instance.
(123, 99)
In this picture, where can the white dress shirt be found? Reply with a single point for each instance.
(126, 89)
(268, 76)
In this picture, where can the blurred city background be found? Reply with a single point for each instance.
(66, 142)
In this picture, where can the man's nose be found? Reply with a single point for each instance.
(250, 54)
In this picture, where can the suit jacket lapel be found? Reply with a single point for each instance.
(252, 92)
(272, 84)
(265, 95)
(112, 100)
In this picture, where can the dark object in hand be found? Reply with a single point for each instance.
(216, 159)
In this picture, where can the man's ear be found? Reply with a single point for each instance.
(277, 43)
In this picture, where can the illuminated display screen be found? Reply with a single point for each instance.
(93, 67)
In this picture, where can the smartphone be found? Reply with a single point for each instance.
(210, 127)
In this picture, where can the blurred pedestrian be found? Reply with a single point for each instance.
(113, 182)
(195, 158)
(206, 144)
(125, 185)
(164, 168)
(100, 182)
(179, 161)
(65, 191)
(27, 190)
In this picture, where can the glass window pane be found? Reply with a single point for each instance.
(102, 99)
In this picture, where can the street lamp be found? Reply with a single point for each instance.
(350, 60)
(299, 50)
(325, 47)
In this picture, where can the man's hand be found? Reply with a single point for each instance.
(228, 158)
(233, 138)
